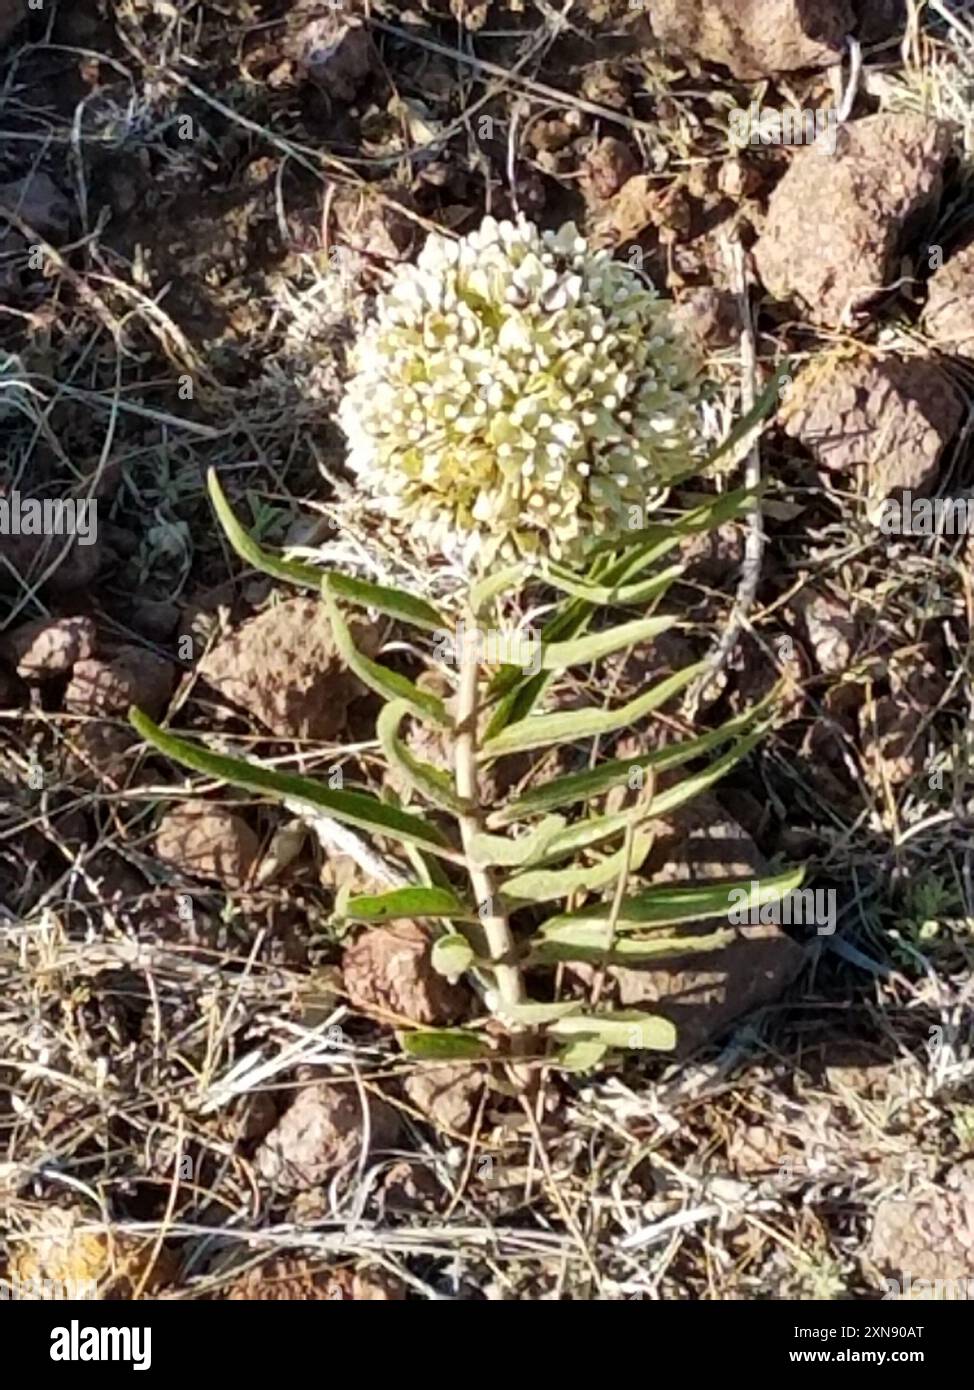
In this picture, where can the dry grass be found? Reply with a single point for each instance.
(128, 1044)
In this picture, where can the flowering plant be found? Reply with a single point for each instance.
(517, 398)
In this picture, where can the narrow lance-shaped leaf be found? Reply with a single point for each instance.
(583, 786)
(595, 943)
(404, 903)
(390, 684)
(546, 885)
(361, 592)
(667, 905)
(508, 852)
(444, 1044)
(360, 809)
(587, 833)
(620, 595)
(570, 725)
(435, 784)
(559, 656)
(628, 1028)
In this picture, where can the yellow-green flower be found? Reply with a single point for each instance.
(517, 393)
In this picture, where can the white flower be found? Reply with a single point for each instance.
(517, 393)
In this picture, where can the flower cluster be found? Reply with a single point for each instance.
(517, 394)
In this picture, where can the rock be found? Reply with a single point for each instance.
(60, 565)
(862, 201)
(446, 1095)
(373, 225)
(50, 648)
(11, 14)
(409, 1187)
(927, 1236)
(949, 316)
(284, 669)
(709, 317)
(892, 416)
(156, 619)
(755, 38)
(39, 202)
(551, 135)
(110, 685)
(334, 51)
(388, 971)
(291, 1279)
(831, 630)
(207, 840)
(703, 993)
(61, 1249)
(608, 165)
(101, 753)
(879, 19)
(321, 1132)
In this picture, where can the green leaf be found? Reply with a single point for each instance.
(583, 786)
(444, 1044)
(351, 808)
(667, 905)
(393, 602)
(698, 782)
(546, 885)
(590, 832)
(506, 580)
(511, 852)
(581, 1055)
(291, 571)
(452, 955)
(405, 902)
(559, 656)
(627, 1028)
(570, 725)
(534, 1015)
(390, 684)
(435, 784)
(619, 595)
(595, 943)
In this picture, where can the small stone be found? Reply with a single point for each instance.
(284, 668)
(709, 316)
(927, 1236)
(893, 416)
(111, 685)
(755, 38)
(388, 970)
(321, 1132)
(49, 648)
(949, 316)
(207, 840)
(607, 167)
(446, 1095)
(861, 200)
(334, 51)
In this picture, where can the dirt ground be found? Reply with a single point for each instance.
(201, 1093)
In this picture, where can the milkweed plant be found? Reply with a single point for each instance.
(518, 409)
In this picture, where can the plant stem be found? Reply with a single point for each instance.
(507, 974)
